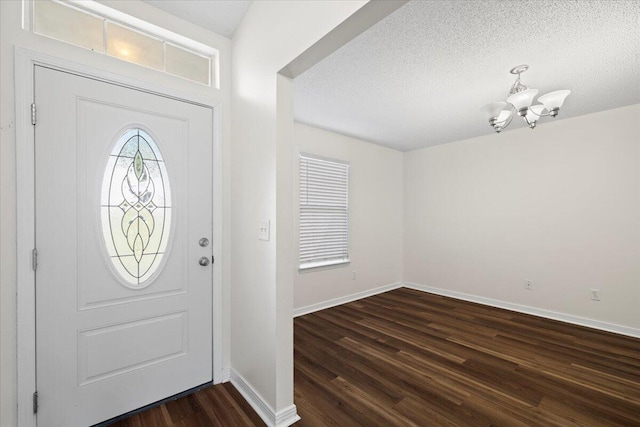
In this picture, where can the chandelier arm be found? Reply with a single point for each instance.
(540, 115)
(508, 121)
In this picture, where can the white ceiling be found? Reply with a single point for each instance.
(420, 76)
(220, 16)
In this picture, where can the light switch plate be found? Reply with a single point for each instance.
(264, 230)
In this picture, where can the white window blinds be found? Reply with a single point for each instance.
(324, 216)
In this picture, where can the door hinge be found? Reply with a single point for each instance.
(35, 402)
(213, 260)
(33, 114)
(34, 259)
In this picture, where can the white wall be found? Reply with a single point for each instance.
(559, 205)
(270, 36)
(375, 218)
(11, 35)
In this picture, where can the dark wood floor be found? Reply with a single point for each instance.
(219, 405)
(408, 358)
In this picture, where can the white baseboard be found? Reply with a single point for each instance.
(345, 299)
(225, 375)
(283, 418)
(287, 416)
(563, 317)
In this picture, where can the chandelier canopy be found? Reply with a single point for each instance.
(520, 99)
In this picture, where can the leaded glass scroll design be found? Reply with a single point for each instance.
(136, 208)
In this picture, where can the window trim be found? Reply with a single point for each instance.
(324, 264)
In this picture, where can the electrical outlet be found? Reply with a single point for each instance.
(595, 294)
(264, 230)
(353, 275)
(528, 285)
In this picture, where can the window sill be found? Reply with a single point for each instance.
(324, 265)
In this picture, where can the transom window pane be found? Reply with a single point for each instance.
(69, 25)
(135, 47)
(136, 207)
(187, 64)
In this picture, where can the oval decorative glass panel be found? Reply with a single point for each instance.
(136, 207)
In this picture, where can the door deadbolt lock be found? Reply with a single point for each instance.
(204, 261)
(204, 242)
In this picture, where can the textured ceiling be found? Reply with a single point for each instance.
(420, 76)
(220, 16)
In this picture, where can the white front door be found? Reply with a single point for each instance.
(124, 247)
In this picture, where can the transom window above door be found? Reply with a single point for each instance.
(102, 29)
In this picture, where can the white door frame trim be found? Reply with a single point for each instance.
(25, 62)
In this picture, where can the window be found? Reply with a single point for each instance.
(324, 215)
(101, 29)
(136, 208)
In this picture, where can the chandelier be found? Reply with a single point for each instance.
(520, 99)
